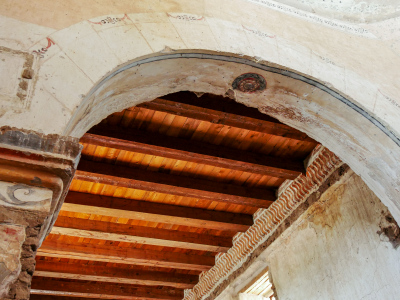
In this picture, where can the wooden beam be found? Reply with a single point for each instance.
(155, 212)
(85, 289)
(140, 234)
(220, 117)
(38, 295)
(172, 184)
(121, 274)
(193, 151)
(129, 255)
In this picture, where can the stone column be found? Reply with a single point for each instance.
(35, 174)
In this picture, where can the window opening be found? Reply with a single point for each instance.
(261, 286)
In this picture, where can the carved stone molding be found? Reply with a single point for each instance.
(35, 174)
(321, 165)
(36, 171)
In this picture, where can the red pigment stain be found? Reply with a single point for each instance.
(10, 231)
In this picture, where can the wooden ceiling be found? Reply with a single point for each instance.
(160, 190)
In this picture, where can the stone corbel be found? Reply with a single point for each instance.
(35, 174)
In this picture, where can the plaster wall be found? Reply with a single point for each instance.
(77, 43)
(343, 247)
(70, 47)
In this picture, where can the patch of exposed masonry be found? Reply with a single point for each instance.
(25, 84)
(296, 214)
(389, 229)
(19, 288)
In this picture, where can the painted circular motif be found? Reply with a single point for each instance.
(249, 83)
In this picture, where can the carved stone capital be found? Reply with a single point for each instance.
(35, 173)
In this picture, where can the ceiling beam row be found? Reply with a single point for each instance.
(140, 234)
(156, 212)
(97, 269)
(42, 286)
(119, 274)
(112, 254)
(224, 118)
(170, 184)
(193, 151)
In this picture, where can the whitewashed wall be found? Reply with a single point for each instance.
(336, 250)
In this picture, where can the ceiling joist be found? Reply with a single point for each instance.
(193, 151)
(119, 274)
(155, 212)
(172, 184)
(112, 254)
(42, 286)
(220, 117)
(140, 234)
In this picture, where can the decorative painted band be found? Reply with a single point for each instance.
(324, 163)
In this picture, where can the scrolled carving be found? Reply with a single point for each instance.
(11, 194)
(25, 196)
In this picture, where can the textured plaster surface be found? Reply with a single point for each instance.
(337, 249)
(88, 40)
(11, 240)
(8, 88)
(348, 10)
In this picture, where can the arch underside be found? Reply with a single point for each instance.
(357, 120)
(369, 147)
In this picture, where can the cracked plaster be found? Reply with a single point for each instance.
(335, 250)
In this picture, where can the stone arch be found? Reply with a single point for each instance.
(133, 49)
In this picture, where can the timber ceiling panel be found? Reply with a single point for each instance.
(160, 190)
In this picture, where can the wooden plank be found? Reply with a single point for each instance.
(133, 256)
(224, 118)
(85, 289)
(155, 212)
(193, 151)
(173, 184)
(140, 234)
(120, 274)
(55, 295)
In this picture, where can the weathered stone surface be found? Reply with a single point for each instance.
(51, 145)
(339, 244)
(15, 84)
(11, 240)
(21, 253)
(338, 249)
(35, 173)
